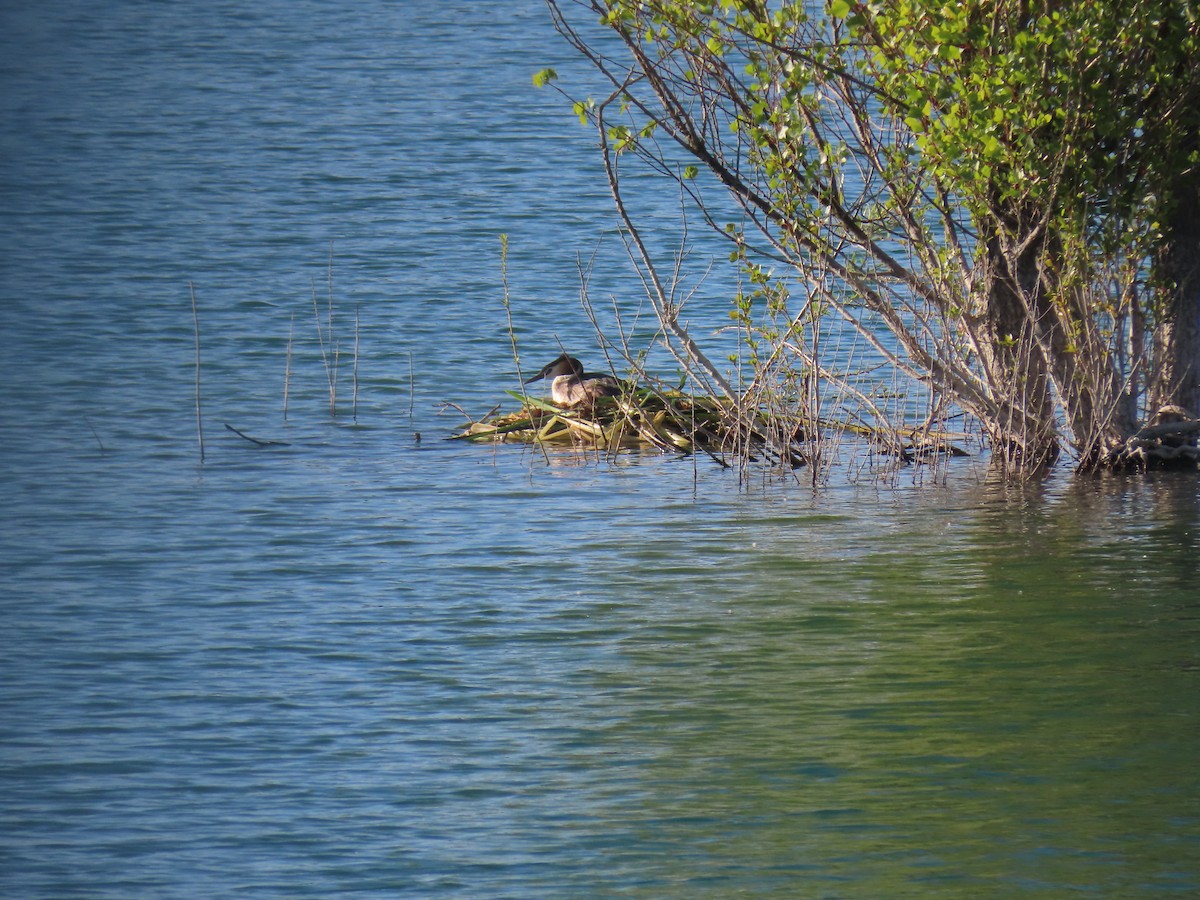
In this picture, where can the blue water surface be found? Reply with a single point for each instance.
(364, 660)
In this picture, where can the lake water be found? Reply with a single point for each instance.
(359, 663)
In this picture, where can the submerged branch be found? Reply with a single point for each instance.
(255, 441)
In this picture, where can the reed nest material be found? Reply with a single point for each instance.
(668, 421)
(673, 422)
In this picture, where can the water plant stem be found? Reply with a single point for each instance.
(354, 396)
(287, 366)
(196, 329)
(329, 372)
(99, 442)
(412, 381)
(512, 335)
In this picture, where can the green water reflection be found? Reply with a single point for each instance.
(999, 695)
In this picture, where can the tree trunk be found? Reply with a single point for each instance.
(1175, 387)
(1044, 354)
(1023, 431)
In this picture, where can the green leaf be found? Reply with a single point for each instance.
(544, 77)
(839, 9)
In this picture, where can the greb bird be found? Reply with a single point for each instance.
(571, 386)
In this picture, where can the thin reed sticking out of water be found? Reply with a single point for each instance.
(354, 395)
(512, 335)
(92, 428)
(287, 366)
(330, 370)
(196, 329)
(334, 346)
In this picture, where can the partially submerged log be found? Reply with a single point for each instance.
(1165, 445)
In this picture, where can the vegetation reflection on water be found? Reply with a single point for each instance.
(987, 699)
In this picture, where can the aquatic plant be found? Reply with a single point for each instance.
(998, 199)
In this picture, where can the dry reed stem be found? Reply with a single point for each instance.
(91, 428)
(324, 356)
(287, 366)
(412, 381)
(196, 330)
(354, 398)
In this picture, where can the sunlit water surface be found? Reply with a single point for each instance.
(356, 662)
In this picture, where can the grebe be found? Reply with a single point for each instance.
(571, 386)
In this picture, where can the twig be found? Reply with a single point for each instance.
(199, 416)
(287, 368)
(668, 314)
(256, 441)
(446, 404)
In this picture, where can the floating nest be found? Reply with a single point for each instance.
(666, 420)
(674, 422)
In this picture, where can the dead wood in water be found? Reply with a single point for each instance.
(1169, 445)
(255, 441)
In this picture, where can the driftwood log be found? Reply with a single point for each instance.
(1165, 444)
